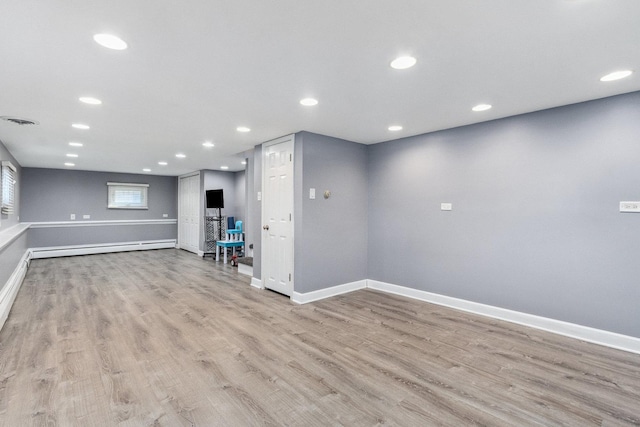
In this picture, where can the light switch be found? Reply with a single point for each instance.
(259, 195)
(72, 216)
(446, 206)
(165, 215)
(312, 193)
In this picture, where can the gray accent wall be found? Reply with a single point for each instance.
(330, 234)
(52, 195)
(535, 225)
(255, 210)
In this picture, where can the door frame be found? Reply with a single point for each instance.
(200, 205)
(263, 216)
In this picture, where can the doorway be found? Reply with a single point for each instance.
(277, 215)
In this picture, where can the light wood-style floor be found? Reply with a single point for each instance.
(167, 338)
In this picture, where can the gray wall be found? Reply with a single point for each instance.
(11, 254)
(53, 194)
(240, 195)
(330, 234)
(255, 210)
(535, 225)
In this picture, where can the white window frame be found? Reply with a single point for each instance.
(9, 181)
(134, 189)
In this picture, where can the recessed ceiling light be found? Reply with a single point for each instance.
(394, 128)
(80, 126)
(403, 62)
(482, 107)
(76, 144)
(163, 163)
(243, 162)
(224, 167)
(110, 41)
(72, 155)
(616, 75)
(146, 170)
(208, 144)
(90, 100)
(69, 164)
(243, 129)
(309, 102)
(181, 156)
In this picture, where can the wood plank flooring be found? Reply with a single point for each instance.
(167, 338)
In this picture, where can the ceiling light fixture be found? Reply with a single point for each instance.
(69, 164)
(243, 129)
(243, 162)
(208, 144)
(309, 102)
(72, 155)
(90, 100)
(76, 144)
(80, 126)
(403, 62)
(616, 75)
(482, 107)
(224, 167)
(395, 128)
(163, 163)
(146, 170)
(110, 41)
(181, 156)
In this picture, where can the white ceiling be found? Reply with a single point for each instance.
(195, 70)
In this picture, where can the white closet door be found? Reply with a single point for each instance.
(189, 217)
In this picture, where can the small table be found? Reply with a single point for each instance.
(227, 244)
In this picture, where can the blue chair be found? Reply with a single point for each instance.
(235, 233)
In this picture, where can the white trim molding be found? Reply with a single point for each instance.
(101, 248)
(307, 297)
(256, 283)
(10, 289)
(572, 330)
(9, 235)
(102, 223)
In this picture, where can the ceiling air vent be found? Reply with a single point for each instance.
(19, 121)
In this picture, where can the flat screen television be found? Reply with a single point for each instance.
(215, 199)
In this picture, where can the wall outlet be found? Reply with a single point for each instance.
(630, 207)
(165, 215)
(72, 216)
(86, 216)
(446, 206)
(259, 195)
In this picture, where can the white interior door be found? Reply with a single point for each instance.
(277, 215)
(189, 213)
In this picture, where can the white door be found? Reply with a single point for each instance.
(189, 213)
(277, 215)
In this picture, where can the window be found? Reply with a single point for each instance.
(8, 187)
(127, 196)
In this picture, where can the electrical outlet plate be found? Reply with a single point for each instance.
(630, 207)
(446, 206)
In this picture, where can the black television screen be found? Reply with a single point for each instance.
(215, 199)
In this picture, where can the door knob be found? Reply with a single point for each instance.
(266, 227)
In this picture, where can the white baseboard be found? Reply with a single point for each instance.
(10, 289)
(584, 333)
(308, 297)
(256, 283)
(100, 248)
(245, 269)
